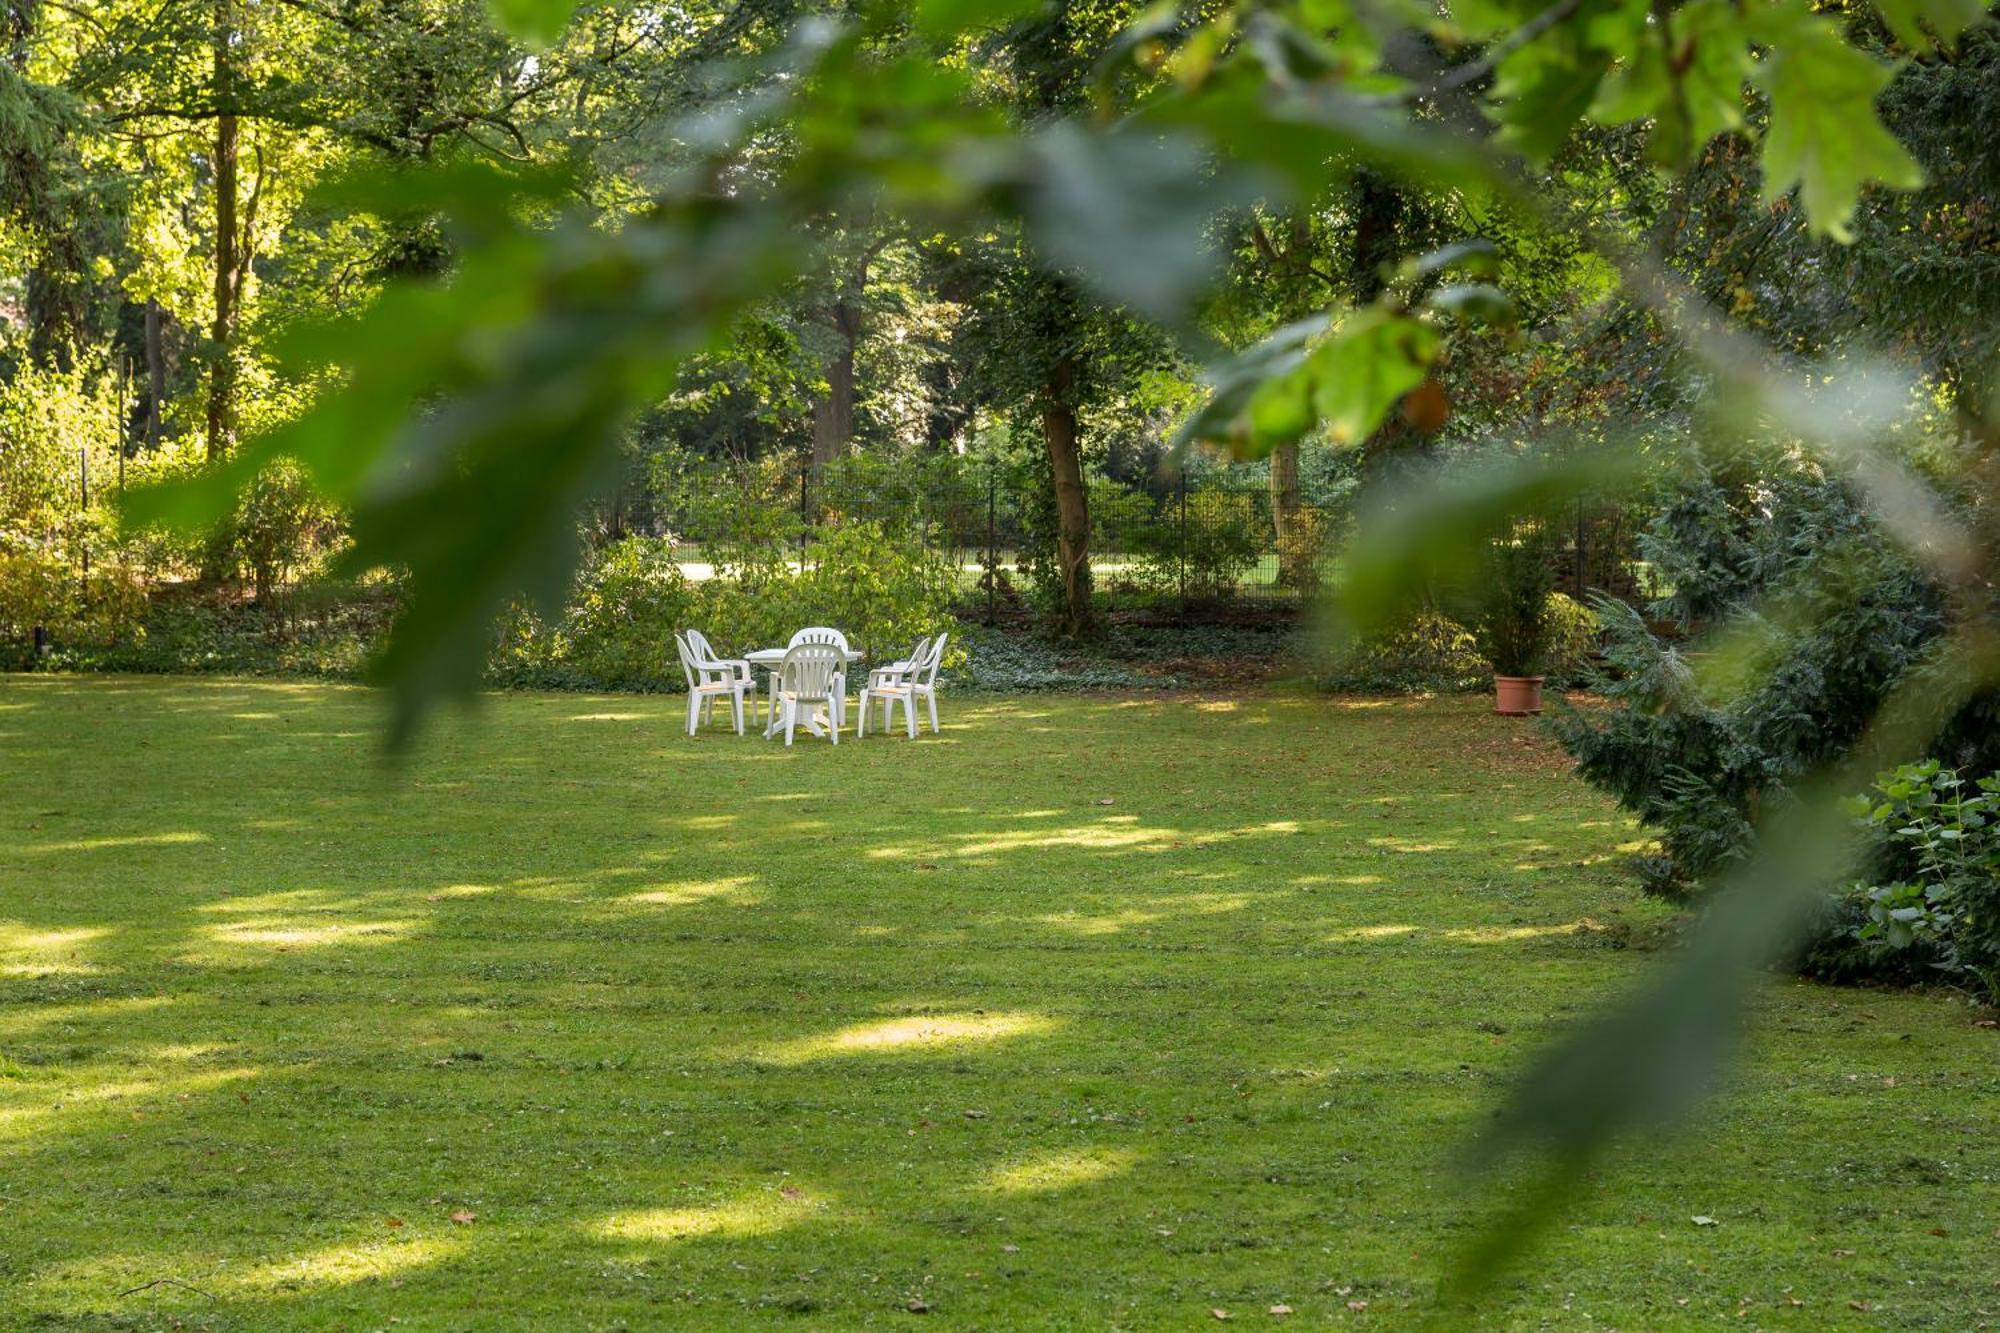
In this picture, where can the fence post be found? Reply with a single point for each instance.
(992, 535)
(83, 473)
(1579, 549)
(805, 519)
(1181, 489)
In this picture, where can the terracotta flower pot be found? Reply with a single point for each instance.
(1517, 696)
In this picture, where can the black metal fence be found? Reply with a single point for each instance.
(1201, 544)
(1205, 544)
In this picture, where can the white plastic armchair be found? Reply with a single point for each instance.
(808, 677)
(707, 681)
(706, 657)
(828, 635)
(891, 673)
(920, 682)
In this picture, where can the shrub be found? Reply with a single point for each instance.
(38, 587)
(616, 631)
(1514, 624)
(1574, 636)
(1937, 838)
(620, 622)
(883, 591)
(1224, 536)
(280, 526)
(1425, 651)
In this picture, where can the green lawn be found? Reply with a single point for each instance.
(1093, 1012)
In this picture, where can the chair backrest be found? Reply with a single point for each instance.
(704, 651)
(808, 670)
(918, 654)
(927, 670)
(819, 634)
(687, 660)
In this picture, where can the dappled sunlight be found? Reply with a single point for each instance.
(1353, 933)
(78, 1014)
(184, 838)
(28, 952)
(756, 1214)
(735, 889)
(1152, 910)
(921, 1034)
(1057, 1169)
(395, 1252)
(27, 1108)
(1114, 833)
(1405, 847)
(291, 935)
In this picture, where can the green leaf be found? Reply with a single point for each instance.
(1476, 302)
(1234, 384)
(1707, 45)
(1824, 136)
(1947, 18)
(1543, 90)
(1129, 212)
(1435, 530)
(1365, 368)
(945, 18)
(1475, 255)
(536, 23)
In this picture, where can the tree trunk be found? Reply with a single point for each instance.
(222, 377)
(833, 415)
(156, 372)
(1286, 526)
(1059, 428)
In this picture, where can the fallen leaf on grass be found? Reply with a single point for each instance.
(394, 1222)
(1703, 1221)
(1281, 1310)
(1218, 1311)
(465, 1217)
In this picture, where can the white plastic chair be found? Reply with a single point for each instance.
(808, 677)
(902, 666)
(706, 657)
(920, 682)
(707, 681)
(828, 635)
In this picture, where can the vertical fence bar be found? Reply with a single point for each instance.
(1579, 549)
(805, 514)
(83, 539)
(992, 535)
(1180, 487)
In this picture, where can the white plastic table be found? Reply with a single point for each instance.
(768, 660)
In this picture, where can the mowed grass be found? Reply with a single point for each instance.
(1090, 1013)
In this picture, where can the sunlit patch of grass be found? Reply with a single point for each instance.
(394, 1253)
(918, 1034)
(1058, 1169)
(733, 888)
(296, 935)
(178, 838)
(1381, 932)
(34, 1110)
(759, 1213)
